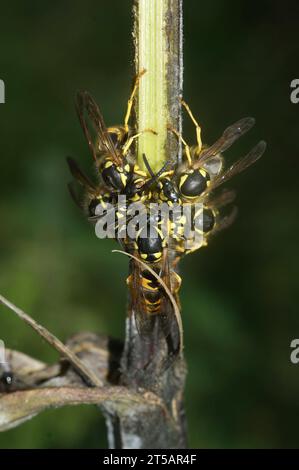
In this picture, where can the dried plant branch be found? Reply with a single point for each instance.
(63, 350)
(99, 353)
(18, 407)
(53, 387)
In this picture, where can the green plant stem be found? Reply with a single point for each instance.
(158, 46)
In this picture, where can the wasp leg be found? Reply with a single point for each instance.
(167, 173)
(187, 147)
(131, 100)
(197, 126)
(134, 137)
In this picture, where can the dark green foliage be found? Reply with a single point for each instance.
(238, 294)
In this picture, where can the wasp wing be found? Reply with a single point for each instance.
(80, 108)
(229, 136)
(239, 166)
(167, 317)
(86, 104)
(77, 198)
(214, 165)
(80, 176)
(227, 196)
(88, 187)
(226, 221)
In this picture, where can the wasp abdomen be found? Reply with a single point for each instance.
(152, 293)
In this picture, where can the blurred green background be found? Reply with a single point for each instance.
(239, 295)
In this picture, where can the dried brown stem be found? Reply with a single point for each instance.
(78, 365)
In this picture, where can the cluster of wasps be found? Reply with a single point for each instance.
(189, 182)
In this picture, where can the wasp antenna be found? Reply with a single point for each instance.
(163, 168)
(154, 176)
(148, 167)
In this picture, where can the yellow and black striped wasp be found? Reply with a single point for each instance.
(117, 170)
(110, 146)
(93, 194)
(203, 170)
(148, 238)
(151, 305)
(207, 220)
(152, 235)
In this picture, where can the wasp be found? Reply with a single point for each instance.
(110, 147)
(93, 196)
(203, 171)
(207, 220)
(152, 236)
(150, 239)
(150, 304)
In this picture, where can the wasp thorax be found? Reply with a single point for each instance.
(194, 183)
(150, 246)
(113, 175)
